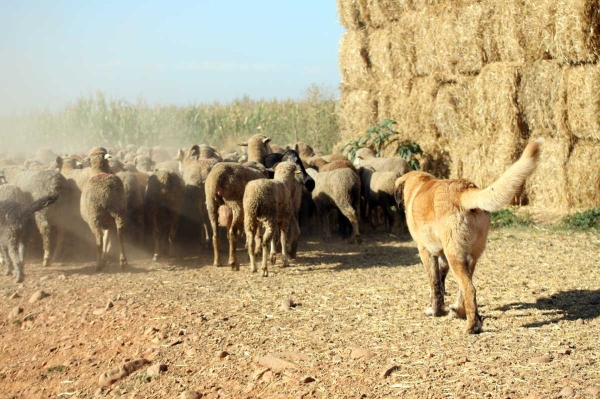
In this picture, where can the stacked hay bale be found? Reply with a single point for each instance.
(472, 81)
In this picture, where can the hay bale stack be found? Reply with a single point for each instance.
(472, 81)
(355, 63)
(577, 27)
(583, 101)
(583, 181)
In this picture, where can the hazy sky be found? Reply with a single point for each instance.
(178, 52)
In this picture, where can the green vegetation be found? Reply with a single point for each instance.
(97, 120)
(58, 368)
(586, 220)
(507, 218)
(378, 137)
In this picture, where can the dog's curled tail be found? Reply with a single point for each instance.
(38, 205)
(500, 193)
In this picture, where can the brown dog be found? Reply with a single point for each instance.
(450, 219)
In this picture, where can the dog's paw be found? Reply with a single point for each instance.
(476, 327)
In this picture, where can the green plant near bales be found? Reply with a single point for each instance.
(507, 218)
(98, 120)
(379, 137)
(586, 220)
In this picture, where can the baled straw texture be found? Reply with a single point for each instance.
(383, 11)
(402, 46)
(583, 181)
(577, 28)
(355, 64)
(357, 113)
(349, 13)
(502, 38)
(547, 187)
(583, 101)
(380, 54)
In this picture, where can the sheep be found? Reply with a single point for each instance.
(164, 198)
(258, 147)
(134, 194)
(44, 183)
(225, 185)
(378, 191)
(103, 204)
(268, 203)
(366, 157)
(323, 166)
(306, 151)
(339, 189)
(291, 156)
(160, 154)
(14, 222)
(10, 192)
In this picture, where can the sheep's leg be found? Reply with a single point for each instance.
(350, 214)
(389, 216)
(250, 229)
(293, 235)
(5, 259)
(323, 216)
(284, 244)
(105, 246)
(267, 237)
(45, 231)
(120, 222)
(15, 251)
(213, 214)
(172, 233)
(235, 222)
(98, 233)
(273, 252)
(155, 237)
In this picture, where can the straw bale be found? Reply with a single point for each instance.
(448, 41)
(357, 112)
(583, 100)
(402, 45)
(380, 53)
(502, 36)
(583, 174)
(577, 27)
(350, 15)
(391, 96)
(355, 63)
(383, 11)
(541, 95)
(547, 187)
(537, 28)
(437, 5)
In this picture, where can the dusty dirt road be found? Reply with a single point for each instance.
(355, 328)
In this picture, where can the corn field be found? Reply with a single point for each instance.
(97, 120)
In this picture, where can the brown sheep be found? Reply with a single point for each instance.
(225, 185)
(366, 157)
(14, 222)
(379, 191)
(164, 198)
(338, 189)
(268, 204)
(103, 205)
(258, 148)
(323, 166)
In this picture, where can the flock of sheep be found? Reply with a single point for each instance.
(268, 192)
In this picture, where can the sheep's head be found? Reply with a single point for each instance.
(144, 164)
(99, 158)
(67, 163)
(363, 153)
(2, 178)
(304, 150)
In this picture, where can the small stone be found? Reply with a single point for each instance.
(16, 311)
(275, 363)
(337, 359)
(361, 353)
(37, 296)
(156, 369)
(593, 390)
(564, 351)
(222, 354)
(44, 278)
(307, 380)
(387, 372)
(109, 305)
(190, 395)
(566, 392)
(99, 312)
(191, 352)
(579, 322)
(61, 277)
(15, 295)
(541, 359)
(288, 303)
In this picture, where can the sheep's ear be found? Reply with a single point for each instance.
(135, 161)
(194, 152)
(180, 155)
(296, 148)
(107, 156)
(59, 163)
(266, 140)
(243, 144)
(78, 165)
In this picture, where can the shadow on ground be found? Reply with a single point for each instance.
(566, 305)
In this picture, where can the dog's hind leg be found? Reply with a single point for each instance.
(466, 303)
(443, 266)
(435, 281)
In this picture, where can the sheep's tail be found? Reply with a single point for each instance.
(500, 193)
(39, 204)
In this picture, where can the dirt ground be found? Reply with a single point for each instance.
(356, 327)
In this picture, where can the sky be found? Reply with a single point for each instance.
(167, 52)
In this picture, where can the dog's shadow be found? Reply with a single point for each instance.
(566, 305)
